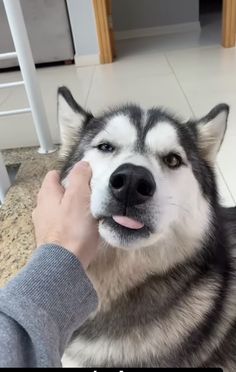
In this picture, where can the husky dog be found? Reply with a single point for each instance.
(165, 273)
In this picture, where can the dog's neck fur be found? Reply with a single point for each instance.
(116, 271)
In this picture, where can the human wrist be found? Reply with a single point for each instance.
(77, 249)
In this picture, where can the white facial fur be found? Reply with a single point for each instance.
(180, 215)
(178, 207)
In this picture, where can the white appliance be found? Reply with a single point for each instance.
(48, 27)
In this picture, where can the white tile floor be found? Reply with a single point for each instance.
(188, 73)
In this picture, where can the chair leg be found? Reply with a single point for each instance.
(25, 58)
(4, 180)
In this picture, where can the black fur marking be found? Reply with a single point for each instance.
(225, 353)
(214, 112)
(205, 331)
(187, 134)
(66, 94)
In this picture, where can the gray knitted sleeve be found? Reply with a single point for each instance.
(41, 307)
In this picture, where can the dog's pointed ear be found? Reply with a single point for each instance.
(211, 130)
(71, 118)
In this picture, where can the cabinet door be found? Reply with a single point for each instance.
(48, 27)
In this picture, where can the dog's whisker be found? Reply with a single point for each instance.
(180, 206)
(177, 206)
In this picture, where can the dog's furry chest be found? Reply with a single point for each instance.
(149, 326)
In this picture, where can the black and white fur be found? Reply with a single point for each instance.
(167, 292)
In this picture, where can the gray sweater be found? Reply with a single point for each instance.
(41, 308)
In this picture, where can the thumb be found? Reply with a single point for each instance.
(79, 179)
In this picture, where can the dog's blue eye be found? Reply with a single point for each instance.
(173, 160)
(105, 147)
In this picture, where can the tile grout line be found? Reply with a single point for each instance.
(226, 184)
(9, 94)
(90, 87)
(16, 76)
(220, 171)
(180, 86)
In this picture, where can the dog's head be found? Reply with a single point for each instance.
(153, 178)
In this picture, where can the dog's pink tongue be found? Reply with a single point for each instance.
(128, 222)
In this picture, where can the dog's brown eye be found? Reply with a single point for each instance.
(105, 147)
(172, 160)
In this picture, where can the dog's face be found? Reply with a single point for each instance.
(152, 179)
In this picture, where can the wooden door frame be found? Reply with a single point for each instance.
(102, 10)
(228, 23)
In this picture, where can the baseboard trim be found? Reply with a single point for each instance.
(87, 60)
(160, 30)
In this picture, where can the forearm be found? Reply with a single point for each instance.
(43, 305)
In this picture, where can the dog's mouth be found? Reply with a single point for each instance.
(129, 223)
(124, 230)
(125, 225)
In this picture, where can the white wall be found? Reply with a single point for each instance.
(83, 27)
(136, 14)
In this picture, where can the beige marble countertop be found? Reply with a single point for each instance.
(16, 230)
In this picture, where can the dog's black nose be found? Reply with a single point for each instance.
(132, 184)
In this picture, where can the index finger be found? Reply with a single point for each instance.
(51, 189)
(78, 181)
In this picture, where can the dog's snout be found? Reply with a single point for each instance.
(132, 184)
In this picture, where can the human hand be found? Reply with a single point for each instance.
(62, 216)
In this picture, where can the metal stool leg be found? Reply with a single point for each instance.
(4, 180)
